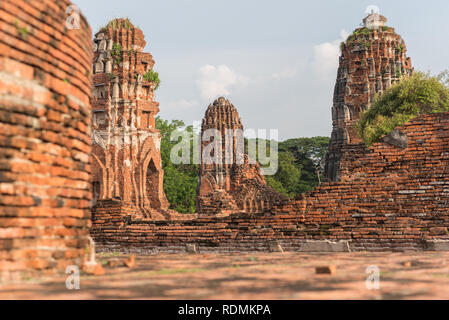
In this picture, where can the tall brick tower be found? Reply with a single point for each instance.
(126, 149)
(221, 116)
(228, 181)
(372, 59)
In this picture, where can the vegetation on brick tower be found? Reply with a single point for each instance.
(152, 76)
(117, 53)
(413, 96)
(358, 34)
(120, 24)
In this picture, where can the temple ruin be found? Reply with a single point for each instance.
(126, 160)
(229, 181)
(387, 197)
(372, 59)
(55, 157)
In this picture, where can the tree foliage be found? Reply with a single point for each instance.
(300, 164)
(415, 95)
(180, 180)
(307, 155)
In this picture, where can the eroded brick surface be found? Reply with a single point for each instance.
(45, 138)
(389, 199)
(229, 181)
(126, 145)
(372, 60)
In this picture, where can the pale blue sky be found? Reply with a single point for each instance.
(275, 60)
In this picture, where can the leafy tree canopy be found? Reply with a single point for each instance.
(308, 156)
(180, 180)
(414, 95)
(300, 164)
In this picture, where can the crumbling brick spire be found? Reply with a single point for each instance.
(126, 153)
(228, 181)
(372, 59)
(223, 117)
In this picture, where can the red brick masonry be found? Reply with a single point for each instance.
(229, 185)
(126, 160)
(371, 61)
(389, 199)
(45, 138)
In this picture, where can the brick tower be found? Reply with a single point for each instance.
(126, 149)
(228, 181)
(45, 138)
(372, 59)
(222, 116)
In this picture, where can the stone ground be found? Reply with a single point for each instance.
(423, 275)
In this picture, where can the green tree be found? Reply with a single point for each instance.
(180, 180)
(301, 164)
(415, 95)
(310, 154)
(288, 174)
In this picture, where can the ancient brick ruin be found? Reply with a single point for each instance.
(372, 59)
(388, 197)
(45, 138)
(229, 181)
(126, 164)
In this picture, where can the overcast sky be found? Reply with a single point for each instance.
(275, 60)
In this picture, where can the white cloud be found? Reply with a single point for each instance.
(325, 57)
(285, 74)
(182, 104)
(214, 81)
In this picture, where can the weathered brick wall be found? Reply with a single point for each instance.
(389, 199)
(45, 138)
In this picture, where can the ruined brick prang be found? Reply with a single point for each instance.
(390, 198)
(45, 138)
(372, 59)
(126, 152)
(229, 181)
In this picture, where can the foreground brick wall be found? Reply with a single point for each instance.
(45, 138)
(389, 199)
